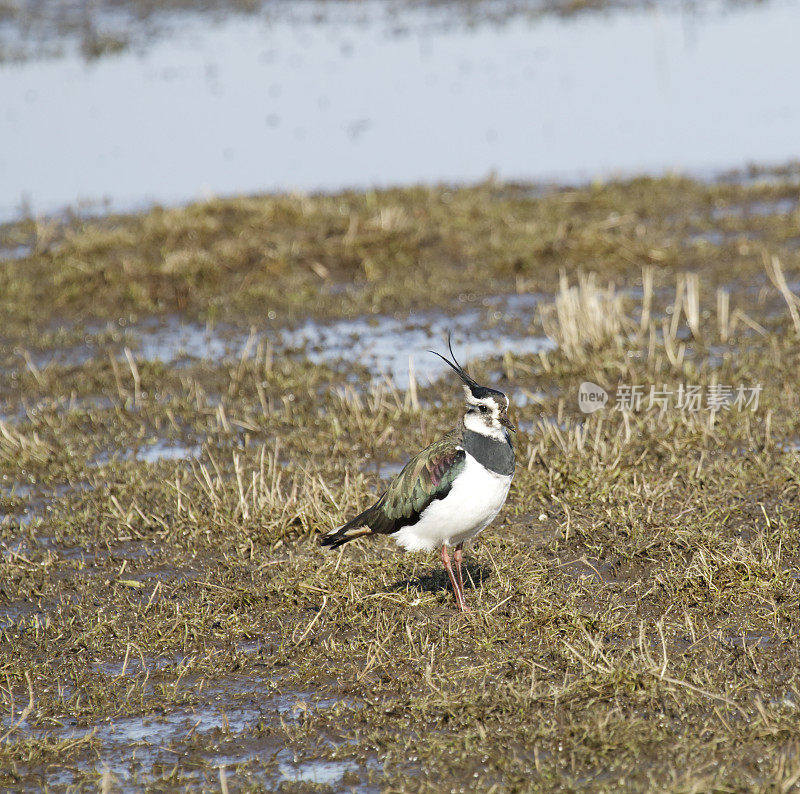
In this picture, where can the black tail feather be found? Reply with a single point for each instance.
(355, 528)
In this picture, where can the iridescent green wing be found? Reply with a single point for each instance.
(426, 477)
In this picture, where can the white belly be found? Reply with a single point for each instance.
(474, 500)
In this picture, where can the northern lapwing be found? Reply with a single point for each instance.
(451, 490)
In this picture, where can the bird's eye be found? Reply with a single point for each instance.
(483, 409)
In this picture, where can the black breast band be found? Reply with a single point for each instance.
(489, 452)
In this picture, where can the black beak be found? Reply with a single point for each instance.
(506, 422)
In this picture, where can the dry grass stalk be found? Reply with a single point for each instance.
(677, 307)
(647, 299)
(584, 317)
(775, 272)
(412, 398)
(723, 314)
(675, 356)
(692, 303)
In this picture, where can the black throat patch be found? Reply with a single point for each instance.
(498, 456)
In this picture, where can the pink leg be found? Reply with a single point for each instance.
(459, 594)
(457, 558)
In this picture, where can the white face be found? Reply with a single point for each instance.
(488, 415)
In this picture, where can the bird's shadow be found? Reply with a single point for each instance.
(435, 581)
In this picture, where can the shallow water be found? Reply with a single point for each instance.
(390, 346)
(783, 206)
(335, 95)
(130, 747)
(319, 772)
(382, 343)
(171, 339)
(153, 451)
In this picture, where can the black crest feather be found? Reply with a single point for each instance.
(478, 391)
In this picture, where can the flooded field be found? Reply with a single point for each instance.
(129, 105)
(200, 377)
(189, 397)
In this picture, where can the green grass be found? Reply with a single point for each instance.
(636, 603)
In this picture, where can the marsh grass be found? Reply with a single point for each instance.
(584, 318)
(636, 603)
(272, 257)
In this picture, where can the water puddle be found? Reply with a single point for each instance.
(172, 339)
(160, 449)
(163, 450)
(756, 209)
(383, 344)
(226, 732)
(15, 618)
(323, 773)
(131, 746)
(385, 471)
(15, 252)
(135, 665)
(21, 503)
(718, 238)
(10, 489)
(273, 95)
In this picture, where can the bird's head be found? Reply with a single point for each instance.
(487, 409)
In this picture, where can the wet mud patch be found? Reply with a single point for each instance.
(235, 732)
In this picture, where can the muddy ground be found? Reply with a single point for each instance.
(188, 397)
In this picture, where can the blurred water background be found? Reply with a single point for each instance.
(118, 105)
